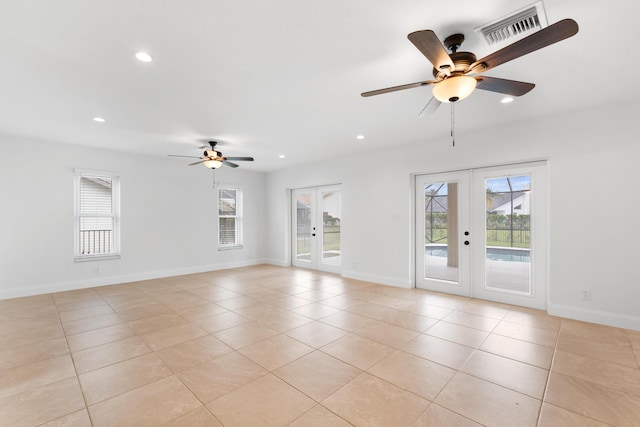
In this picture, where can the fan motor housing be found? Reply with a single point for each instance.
(462, 63)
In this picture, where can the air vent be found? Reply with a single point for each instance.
(515, 26)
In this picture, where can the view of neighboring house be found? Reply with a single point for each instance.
(518, 202)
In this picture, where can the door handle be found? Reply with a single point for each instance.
(313, 234)
(466, 242)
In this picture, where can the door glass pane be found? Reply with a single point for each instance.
(303, 227)
(331, 228)
(508, 231)
(441, 231)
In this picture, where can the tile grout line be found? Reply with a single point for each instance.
(555, 350)
(77, 377)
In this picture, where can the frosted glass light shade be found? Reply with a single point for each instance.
(454, 88)
(212, 164)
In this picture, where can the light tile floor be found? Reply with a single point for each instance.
(277, 346)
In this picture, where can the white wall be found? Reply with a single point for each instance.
(169, 218)
(594, 230)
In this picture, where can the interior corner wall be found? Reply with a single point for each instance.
(168, 211)
(594, 232)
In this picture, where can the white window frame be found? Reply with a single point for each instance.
(237, 216)
(115, 214)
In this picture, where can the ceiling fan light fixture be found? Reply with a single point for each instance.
(454, 88)
(212, 164)
(214, 159)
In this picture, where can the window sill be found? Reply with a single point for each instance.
(229, 248)
(86, 258)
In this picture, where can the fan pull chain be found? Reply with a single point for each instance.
(453, 123)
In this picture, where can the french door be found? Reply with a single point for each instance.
(316, 214)
(442, 222)
(482, 233)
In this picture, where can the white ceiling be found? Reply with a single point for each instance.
(282, 76)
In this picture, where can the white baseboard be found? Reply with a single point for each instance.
(278, 262)
(383, 280)
(25, 291)
(595, 316)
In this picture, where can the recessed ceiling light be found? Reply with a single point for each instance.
(144, 57)
(360, 137)
(507, 100)
(281, 156)
(99, 119)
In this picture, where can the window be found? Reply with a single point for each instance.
(229, 217)
(97, 215)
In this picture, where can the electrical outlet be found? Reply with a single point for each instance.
(585, 294)
(96, 270)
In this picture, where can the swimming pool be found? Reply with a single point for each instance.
(493, 253)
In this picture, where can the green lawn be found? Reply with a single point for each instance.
(331, 240)
(521, 238)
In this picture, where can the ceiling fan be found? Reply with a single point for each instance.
(213, 158)
(456, 73)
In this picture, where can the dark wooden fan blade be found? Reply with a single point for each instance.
(395, 88)
(428, 43)
(508, 87)
(197, 163)
(431, 106)
(547, 36)
(188, 157)
(230, 164)
(244, 159)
